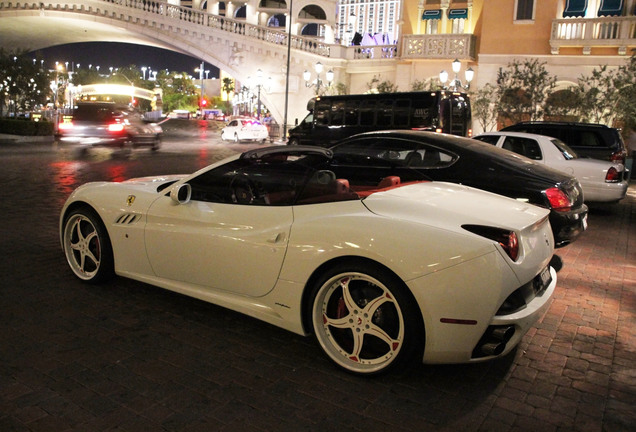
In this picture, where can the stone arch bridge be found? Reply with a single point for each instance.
(233, 45)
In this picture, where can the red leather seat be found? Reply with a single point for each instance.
(389, 182)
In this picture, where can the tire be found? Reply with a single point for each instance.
(156, 144)
(363, 318)
(293, 141)
(87, 246)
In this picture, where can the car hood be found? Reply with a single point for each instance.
(453, 205)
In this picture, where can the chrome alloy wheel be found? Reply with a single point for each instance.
(358, 322)
(87, 246)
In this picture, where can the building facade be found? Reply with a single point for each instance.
(412, 41)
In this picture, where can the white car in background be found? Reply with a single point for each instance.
(601, 181)
(245, 128)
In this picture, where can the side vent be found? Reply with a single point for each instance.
(128, 219)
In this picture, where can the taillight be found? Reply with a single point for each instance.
(558, 200)
(115, 127)
(507, 239)
(612, 176)
(470, 133)
(65, 126)
(619, 157)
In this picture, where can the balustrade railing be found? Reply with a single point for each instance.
(460, 46)
(617, 32)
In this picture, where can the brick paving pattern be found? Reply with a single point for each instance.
(129, 357)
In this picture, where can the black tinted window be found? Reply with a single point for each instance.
(490, 139)
(392, 152)
(523, 146)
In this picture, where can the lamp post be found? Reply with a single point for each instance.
(259, 85)
(201, 71)
(457, 84)
(318, 67)
(143, 71)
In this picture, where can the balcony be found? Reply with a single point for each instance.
(439, 46)
(618, 32)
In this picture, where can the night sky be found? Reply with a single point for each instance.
(106, 54)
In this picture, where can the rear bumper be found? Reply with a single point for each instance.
(567, 226)
(607, 192)
(93, 140)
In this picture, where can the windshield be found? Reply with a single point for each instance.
(566, 151)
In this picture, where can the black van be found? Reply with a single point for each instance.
(332, 118)
(590, 140)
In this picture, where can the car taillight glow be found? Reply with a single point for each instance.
(612, 176)
(470, 133)
(65, 126)
(558, 200)
(507, 239)
(115, 127)
(619, 157)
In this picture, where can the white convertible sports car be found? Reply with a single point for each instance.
(601, 181)
(377, 272)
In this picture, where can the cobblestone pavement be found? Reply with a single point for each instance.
(129, 357)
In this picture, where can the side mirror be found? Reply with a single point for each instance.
(181, 194)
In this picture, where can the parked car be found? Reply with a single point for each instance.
(441, 157)
(588, 140)
(106, 124)
(239, 129)
(602, 181)
(378, 274)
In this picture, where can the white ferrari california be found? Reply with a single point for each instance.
(601, 181)
(379, 273)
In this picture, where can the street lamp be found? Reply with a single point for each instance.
(457, 84)
(143, 70)
(318, 81)
(201, 71)
(259, 86)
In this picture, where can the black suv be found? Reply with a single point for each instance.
(590, 140)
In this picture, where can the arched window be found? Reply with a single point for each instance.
(311, 30)
(312, 12)
(241, 12)
(272, 4)
(278, 20)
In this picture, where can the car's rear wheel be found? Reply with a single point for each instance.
(156, 144)
(87, 246)
(363, 318)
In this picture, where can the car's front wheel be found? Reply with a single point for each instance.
(364, 319)
(87, 246)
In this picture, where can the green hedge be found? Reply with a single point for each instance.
(26, 127)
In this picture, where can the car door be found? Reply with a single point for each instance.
(216, 243)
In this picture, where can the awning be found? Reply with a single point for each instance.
(575, 8)
(611, 8)
(432, 14)
(458, 13)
